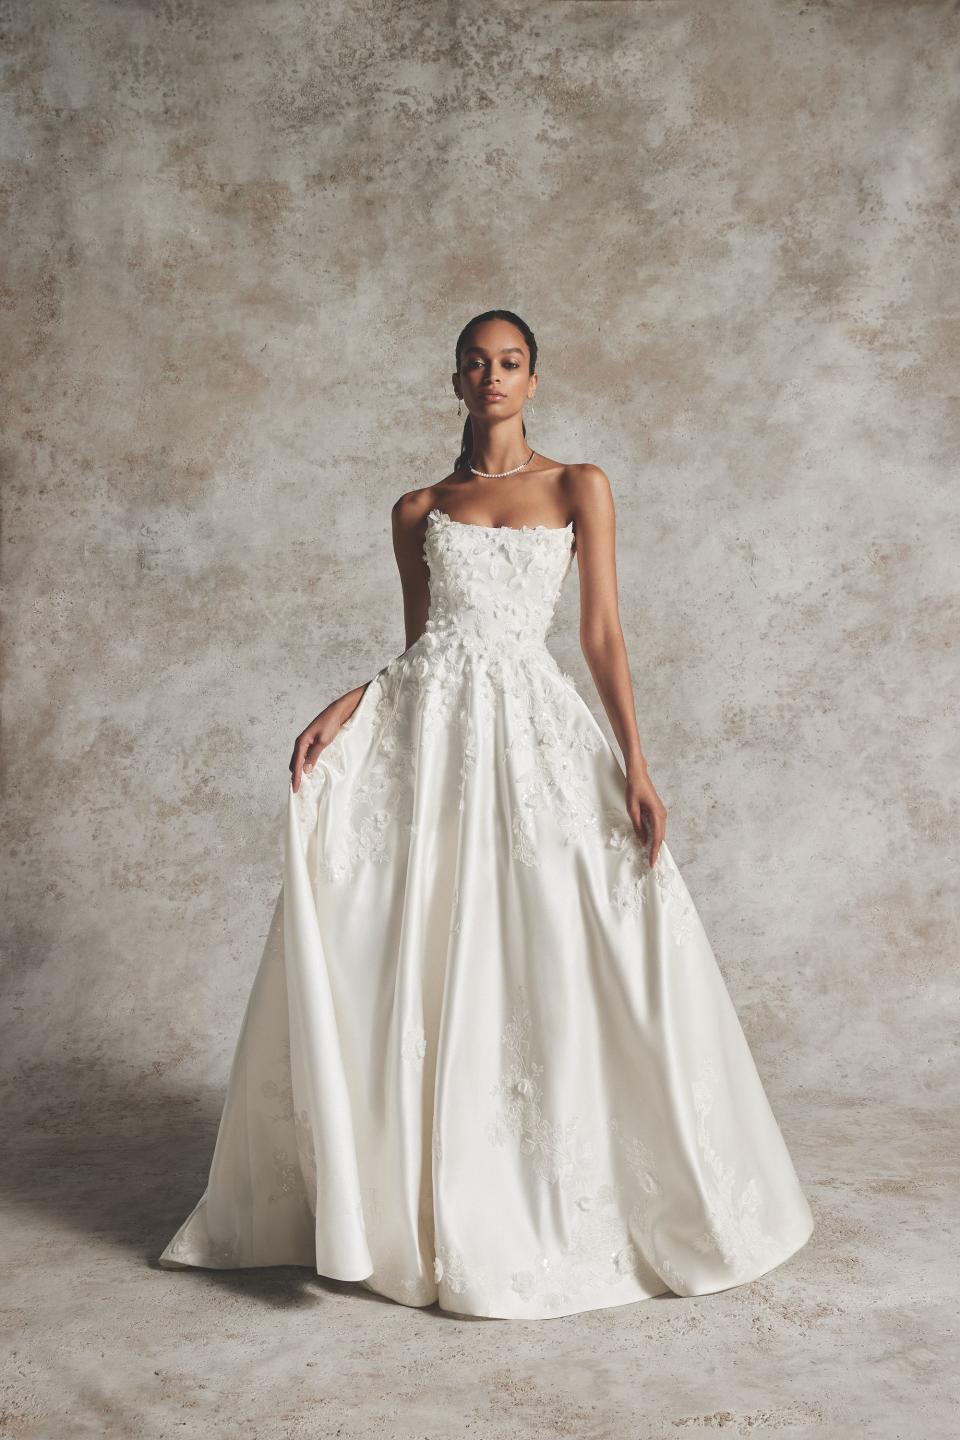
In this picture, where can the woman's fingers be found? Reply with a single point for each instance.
(299, 755)
(308, 747)
(650, 824)
(658, 827)
(296, 766)
(313, 750)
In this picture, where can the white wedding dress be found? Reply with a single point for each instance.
(489, 1059)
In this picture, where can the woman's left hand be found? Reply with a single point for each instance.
(646, 810)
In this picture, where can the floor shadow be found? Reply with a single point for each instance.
(121, 1157)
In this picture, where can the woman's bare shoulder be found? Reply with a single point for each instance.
(587, 490)
(411, 508)
(586, 477)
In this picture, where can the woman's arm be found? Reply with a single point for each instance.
(602, 643)
(407, 522)
(407, 517)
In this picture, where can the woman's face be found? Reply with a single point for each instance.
(494, 377)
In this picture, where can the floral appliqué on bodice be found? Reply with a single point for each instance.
(481, 672)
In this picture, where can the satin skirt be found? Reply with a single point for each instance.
(489, 1060)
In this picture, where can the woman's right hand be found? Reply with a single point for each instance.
(323, 729)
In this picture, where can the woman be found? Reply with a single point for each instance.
(489, 1059)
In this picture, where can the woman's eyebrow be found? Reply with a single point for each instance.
(507, 350)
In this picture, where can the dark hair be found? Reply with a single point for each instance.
(466, 444)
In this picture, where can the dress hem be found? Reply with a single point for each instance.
(602, 1299)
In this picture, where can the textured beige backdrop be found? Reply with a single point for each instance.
(241, 241)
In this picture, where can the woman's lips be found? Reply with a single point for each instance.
(493, 395)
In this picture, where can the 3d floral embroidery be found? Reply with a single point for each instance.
(278, 1090)
(631, 890)
(306, 1154)
(450, 1271)
(553, 1149)
(604, 1226)
(735, 1230)
(287, 1176)
(481, 654)
(414, 1045)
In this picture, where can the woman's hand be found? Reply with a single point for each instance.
(646, 810)
(320, 732)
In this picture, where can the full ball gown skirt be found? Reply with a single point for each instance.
(489, 1059)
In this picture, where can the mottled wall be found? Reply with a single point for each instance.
(241, 240)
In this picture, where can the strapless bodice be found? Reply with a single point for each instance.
(494, 588)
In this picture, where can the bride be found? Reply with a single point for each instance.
(489, 1059)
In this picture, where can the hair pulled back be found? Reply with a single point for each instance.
(466, 444)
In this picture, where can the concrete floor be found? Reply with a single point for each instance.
(855, 1335)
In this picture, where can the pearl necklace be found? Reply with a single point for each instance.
(499, 474)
